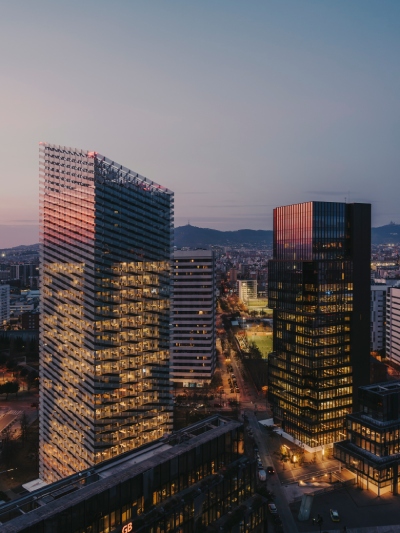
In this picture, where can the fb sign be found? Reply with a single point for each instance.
(127, 528)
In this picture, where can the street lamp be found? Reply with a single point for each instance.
(318, 521)
(9, 470)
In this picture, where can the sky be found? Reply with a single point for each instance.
(238, 107)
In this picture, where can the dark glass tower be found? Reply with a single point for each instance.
(319, 286)
(106, 236)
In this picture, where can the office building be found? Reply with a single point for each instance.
(378, 315)
(379, 288)
(4, 304)
(393, 324)
(193, 333)
(198, 479)
(247, 289)
(104, 333)
(319, 290)
(30, 320)
(25, 273)
(372, 447)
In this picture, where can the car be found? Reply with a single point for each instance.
(272, 508)
(270, 470)
(334, 515)
(259, 464)
(262, 476)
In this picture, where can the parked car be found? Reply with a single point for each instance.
(272, 508)
(262, 476)
(260, 465)
(334, 515)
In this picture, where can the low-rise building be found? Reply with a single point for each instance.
(194, 480)
(247, 289)
(372, 448)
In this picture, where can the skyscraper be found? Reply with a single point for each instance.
(106, 235)
(319, 289)
(193, 335)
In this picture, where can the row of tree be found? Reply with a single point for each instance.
(10, 387)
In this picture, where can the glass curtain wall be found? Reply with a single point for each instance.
(311, 281)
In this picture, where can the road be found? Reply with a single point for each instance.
(273, 482)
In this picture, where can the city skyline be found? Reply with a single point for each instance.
(239, 108)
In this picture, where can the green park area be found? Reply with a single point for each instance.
(263, 342)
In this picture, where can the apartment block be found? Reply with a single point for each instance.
(193, 334)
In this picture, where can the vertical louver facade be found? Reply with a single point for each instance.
(106, 236)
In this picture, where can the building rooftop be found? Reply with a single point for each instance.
(384, 389)
(61, 495)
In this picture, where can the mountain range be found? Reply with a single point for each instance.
(194, 237)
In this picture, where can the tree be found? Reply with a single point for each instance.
(8, 448)
(216, 380)
(10, 387)
(254, 351)
(24, 426)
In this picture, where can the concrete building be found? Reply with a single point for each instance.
(106, 240)
(247, 289)
(393, 324)
(198, 479)
(4, 304)
(319, 290)
(193, 330)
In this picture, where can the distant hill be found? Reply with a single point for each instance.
(193, 237)
(389, 234)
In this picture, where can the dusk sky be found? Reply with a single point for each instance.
(236, 106)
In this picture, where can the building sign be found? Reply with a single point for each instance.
(127, 528)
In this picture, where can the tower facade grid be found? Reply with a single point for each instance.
(319, 292)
